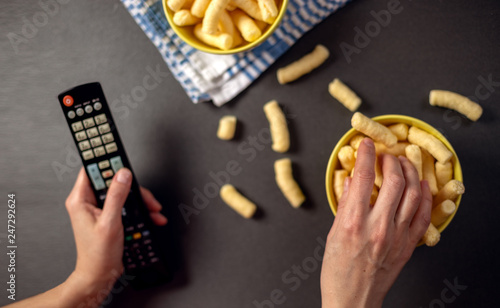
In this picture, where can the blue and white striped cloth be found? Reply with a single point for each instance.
(220, 78)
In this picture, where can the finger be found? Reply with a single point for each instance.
(81, 192)
(343, 198)
(158, 219)
(392, 188)
(116, 196)
(412, 194)
(422, 217)
(151, 203)
(361, 185)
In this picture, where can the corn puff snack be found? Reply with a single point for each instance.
(376, 131)
(286, 182)
(304, 65)
(237, 201)
(344, 95)
(227, 127)
(278, 127)
(427, 141)
(457, 102)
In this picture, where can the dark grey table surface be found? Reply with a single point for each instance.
(223, 260)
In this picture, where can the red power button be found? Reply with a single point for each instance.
(68, 101)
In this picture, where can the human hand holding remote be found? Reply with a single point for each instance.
(99, 243)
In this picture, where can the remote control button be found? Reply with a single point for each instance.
(77, 126)
(154, 260)
(149, 248)
(79, 112)
(107, 174)
(108, 183)
(131, 266)
(88, 122)
(88, 109)
(147, 242)
(92, 132)
(129, 228)
(104, 128)
(99, 152)
(145, 233)
(137, 235)
(140, 225)
(88, 155)
(116, 163)
(96, 141)
(71, 114)
(80, 136)
(139, 257)
(95, 176)
(97, 106)
(68, 101)
(84, 145)
(151, 254)
(111, 147)
(108, 138)
(99, 119)
(128, 260)
(104, 164)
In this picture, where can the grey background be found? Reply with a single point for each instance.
(223, 260)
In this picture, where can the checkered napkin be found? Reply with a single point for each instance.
(220, 78)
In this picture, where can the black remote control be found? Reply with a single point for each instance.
(103, 154)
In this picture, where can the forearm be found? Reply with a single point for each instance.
(75, 292)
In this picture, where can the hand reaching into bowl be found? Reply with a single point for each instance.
(368, 246)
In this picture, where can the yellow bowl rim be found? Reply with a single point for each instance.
(205, 48)
(392, 119)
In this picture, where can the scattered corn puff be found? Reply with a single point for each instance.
(304, 65)
(227, 127)
(457, 102)
(344, 95)
(278, 127)
(237, 201)
(286, 182)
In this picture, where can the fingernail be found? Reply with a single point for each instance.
(346, 184)
(124, 176)
(368, 142)
(425, 184)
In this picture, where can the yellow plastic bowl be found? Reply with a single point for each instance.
(387, 120)
(187, 35)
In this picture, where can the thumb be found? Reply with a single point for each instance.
(116, 196)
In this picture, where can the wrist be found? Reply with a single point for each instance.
(82, 291)
(350, 299)
(355, 303)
